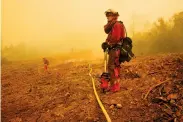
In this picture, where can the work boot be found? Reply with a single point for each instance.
(115, 87)
(104, 85)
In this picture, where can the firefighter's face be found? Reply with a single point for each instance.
(110, 18)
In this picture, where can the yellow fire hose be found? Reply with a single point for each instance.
(96, 95)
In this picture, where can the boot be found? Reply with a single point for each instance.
(115, 87)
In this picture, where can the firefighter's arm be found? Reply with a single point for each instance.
(107, 28)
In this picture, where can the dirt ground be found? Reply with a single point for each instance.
(66, 94)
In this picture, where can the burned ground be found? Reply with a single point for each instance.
(66, 94)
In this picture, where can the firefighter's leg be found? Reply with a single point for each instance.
(46, 68)
(117, 70)
(111, 66)
(114, 69)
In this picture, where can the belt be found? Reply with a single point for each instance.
(115, 46)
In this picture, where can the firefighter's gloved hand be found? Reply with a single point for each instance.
(105, 46)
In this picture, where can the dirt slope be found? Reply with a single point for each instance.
(66, 94)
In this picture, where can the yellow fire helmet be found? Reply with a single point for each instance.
(111, 12)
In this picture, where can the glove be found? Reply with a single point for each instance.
(105, 46)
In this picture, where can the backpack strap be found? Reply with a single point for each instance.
(124, 27)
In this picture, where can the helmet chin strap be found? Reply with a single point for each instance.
(114, 19)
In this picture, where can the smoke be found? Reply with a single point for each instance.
(163, 37)
(44, 28)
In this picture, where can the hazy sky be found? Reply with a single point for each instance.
(74, 23)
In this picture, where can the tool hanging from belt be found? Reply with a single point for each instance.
(105, 77)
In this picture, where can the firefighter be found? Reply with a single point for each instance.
(46, 63)
(116, 32)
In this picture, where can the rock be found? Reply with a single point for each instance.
(172, 96)
(96, 120)
(153, 79)
(111, 107)
(119, 106)
(113, 113)
(67, 94)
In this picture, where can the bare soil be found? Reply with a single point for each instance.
(66, 93)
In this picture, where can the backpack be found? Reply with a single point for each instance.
(126, 49)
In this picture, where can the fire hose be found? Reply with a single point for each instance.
(96, 95)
